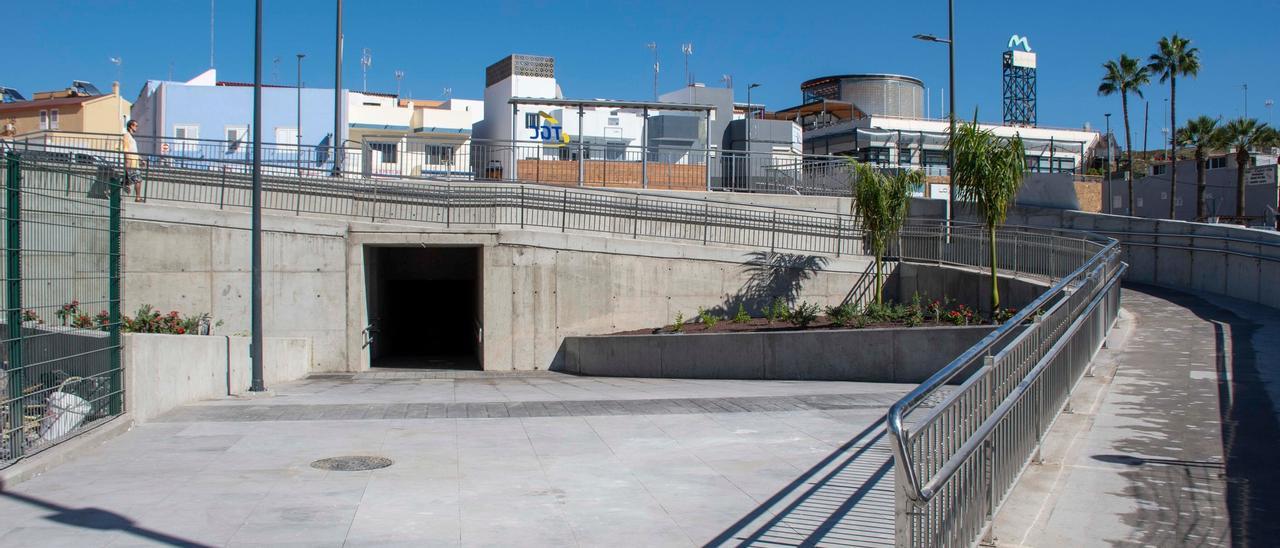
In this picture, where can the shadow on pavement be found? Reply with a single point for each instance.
(813, 508)
(97, 519)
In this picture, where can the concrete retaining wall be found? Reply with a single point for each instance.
(1228, 260)
(904, 355)
(164, 371)
(967, 286)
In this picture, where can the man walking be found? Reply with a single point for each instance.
(132, 162)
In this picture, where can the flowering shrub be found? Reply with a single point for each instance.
(68, 311)
(82, 320)
(102, 319)
(31, 316)
(149, 320)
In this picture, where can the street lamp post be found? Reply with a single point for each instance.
(255, 253)
(1108, 185)
(297, 134)
(747, 119)
(950, 41)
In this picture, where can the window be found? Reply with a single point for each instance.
(1212, 163)
(53, 119)
(236, 137)
(286, 136)
(530, 119)
(613, 121)
(935, 157)
(44, 119)
(386, 152)
(186, 132)
(439, 154)
(1064, 165)
(906, 156)
(876, 155)
(1159, 169)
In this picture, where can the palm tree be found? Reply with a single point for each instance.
(1202, 134)
(1244, 134)
(988, 172)
(1124, 76)
(1174, 57)
(880, 202)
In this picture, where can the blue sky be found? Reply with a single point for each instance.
(600, 46)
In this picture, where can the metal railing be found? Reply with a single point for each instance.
(61, 303)
(955, 462)
(610, 211)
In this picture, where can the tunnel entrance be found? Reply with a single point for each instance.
(424, 307)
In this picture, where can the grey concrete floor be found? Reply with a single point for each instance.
(533, 460)
(1172, 443)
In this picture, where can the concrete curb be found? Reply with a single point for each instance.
(64, 452)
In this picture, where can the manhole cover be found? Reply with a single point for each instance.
(352, 463)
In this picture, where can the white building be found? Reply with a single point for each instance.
(399, 136)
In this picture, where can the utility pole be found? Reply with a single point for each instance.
(654, 47)
(687, 49)
(255, 346)
(298, 133)
(1245, 87)
(1146, 113)
(1108, 139)
(212, 5)
(335, 140)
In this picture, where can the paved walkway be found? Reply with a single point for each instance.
(655, 462)
(1141, 462)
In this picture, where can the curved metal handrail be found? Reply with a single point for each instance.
(914, 489)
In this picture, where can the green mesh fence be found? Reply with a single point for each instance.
(60, 346)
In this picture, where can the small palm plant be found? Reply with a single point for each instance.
(880, 203)
(1244, 134)
(987, 173)
(1202, 134)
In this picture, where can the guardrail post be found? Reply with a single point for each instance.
(773, 230)
(988, 469)
(448, 206)
(222, 192)
(903, 508)
(706, 212)
(635, 219)
(564, 209)
(838, 227)
(13, 316)
(521, 206)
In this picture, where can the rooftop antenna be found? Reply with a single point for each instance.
(687, 49)
(366, 60)
(727, 79)
(275, 70)
(399, 76)
(653, 46)
(446, 92)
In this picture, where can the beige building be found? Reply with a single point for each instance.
(76, 109)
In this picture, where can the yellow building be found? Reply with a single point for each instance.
(77, 109)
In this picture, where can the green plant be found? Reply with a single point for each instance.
(1202, 135)
(67, 311)
(841, 315)
(860, 321)
(82, 320)
(987, 173)
(1003, 315)
(31, 316)
(678, 326)
(149, 320)
(741, 316)
(102, 319)
(880, 202)
(1124, 76)
(803, 314)
(777, 310)
(1174, 57)
(707, 318)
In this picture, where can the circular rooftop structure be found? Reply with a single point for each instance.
(873, 94)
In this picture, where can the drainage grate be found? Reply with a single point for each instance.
(351, 463)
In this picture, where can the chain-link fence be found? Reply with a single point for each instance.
(61, 303)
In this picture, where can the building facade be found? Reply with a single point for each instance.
(80, 108)
(1151, 191)
(207, 119)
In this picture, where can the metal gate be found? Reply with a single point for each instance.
(60, 338)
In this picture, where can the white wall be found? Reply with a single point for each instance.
(363, 108)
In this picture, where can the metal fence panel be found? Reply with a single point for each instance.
(61, 341)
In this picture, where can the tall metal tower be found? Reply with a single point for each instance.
(1019, 83)
(366, 59)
